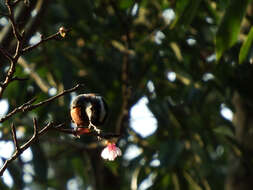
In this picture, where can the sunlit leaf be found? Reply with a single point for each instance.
(185, 12)
(229, 28)
(246, 47)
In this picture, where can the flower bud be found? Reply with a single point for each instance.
(62, 31)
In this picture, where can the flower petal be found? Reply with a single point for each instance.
(105, 153)
(118, 151)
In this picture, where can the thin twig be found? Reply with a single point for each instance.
(13, 60)
(16, 2)
(9, 76)
(16, 110)
(15, 78)
(29, 105)
(35, 127)
(107, 136)
(53, 36)
(14, 136)
(19, 47)
(19, 151)
(6, 54)
(18, 50)
(10, 7)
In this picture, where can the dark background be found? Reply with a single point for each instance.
(114, 49)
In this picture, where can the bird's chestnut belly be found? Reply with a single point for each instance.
(76, 116)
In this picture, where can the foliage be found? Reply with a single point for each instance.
(115, 48)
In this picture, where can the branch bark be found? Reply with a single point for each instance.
(20, 37)
(19, 150)
(28, 106)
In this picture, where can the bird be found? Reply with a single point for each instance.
(88, 111)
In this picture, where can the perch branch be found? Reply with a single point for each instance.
(30, 106)
(102, 135)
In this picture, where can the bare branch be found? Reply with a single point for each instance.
(35, 127)
(15, 78)
(29, 105)
(6, 54)
(8, 78)
(16, 110)
(19, 37)
(14, 136)
(10, 7)
(52, 37)
(19, 151)
(15, 2)
(19, 47)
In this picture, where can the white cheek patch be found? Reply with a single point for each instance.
(102, 109)
(88, 110)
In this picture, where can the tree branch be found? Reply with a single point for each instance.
(53, 36)
(20, 150)
(102, 135)
(29, 105)
(14, 136)
(125, 21)
(16, 2)
(10, 7)
(19, 47)
(5, 54)
(15, 78)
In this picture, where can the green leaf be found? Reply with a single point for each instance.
(186, 11)
(246, 46)
(125, 4)
(229, 28)
(224, 130)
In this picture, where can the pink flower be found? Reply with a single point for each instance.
(111, 152)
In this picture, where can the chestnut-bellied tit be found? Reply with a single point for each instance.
(89, 110)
